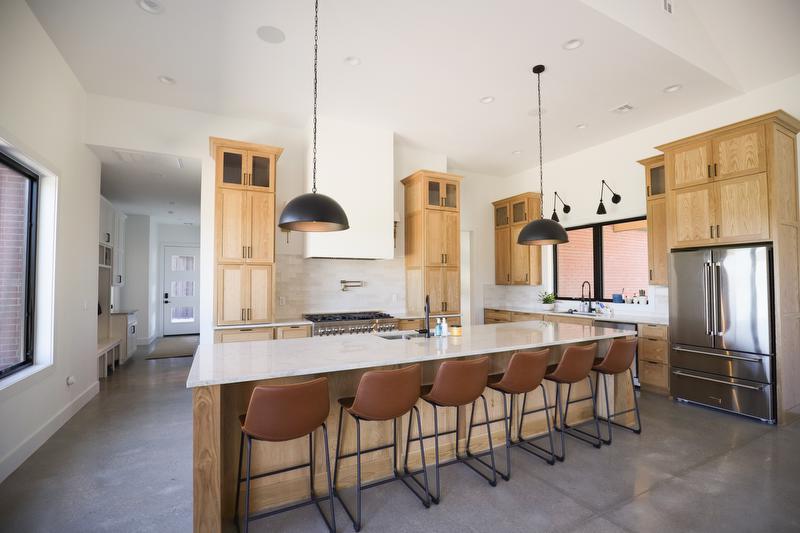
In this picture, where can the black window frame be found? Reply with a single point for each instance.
(597, 258)
(29, 330)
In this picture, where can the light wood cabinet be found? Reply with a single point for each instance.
(689, 164)
(657, 245)
(244, 334)
(292, 332)
(502, 256)
(433, 235)
(742, 212)
(691, 211)
(494, 316)
(561, 319)
(244, 230)
(516, 264)
(517, 316)
(739, 152)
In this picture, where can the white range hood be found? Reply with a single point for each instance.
(355, 166)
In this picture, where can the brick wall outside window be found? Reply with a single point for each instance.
(575, 263)
(13, 254)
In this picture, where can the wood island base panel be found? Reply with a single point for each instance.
(223, 376)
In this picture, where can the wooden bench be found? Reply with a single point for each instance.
(107, 356)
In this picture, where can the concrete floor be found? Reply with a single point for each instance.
(124, 464)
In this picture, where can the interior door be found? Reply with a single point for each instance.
(181, 283)
(690, 298)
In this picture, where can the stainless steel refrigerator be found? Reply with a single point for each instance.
(721, 329)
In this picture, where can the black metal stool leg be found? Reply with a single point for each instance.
(608, 410)
(332, 523)
(635, 404)
(493, 481)
(562, 422)
(247, 486)
(435, 499)
(594, 414)
(426, 500)
(238, 481)
(357, 522)
(507, 420)
(338, 449)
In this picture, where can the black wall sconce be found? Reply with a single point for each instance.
(615, 198)
(566, 207)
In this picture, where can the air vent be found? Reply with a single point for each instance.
(624, 108)
(130, 157)
(668, 6)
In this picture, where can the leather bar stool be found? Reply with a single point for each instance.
(575, 366)
(523, 375)
(279, 413)
(618, 359)
(458, 384)
(383, 395)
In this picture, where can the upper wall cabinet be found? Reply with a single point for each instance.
(516, 264)
(442, 193)
(657, 248)
(740, 152)
(689, 164)
(245, 165)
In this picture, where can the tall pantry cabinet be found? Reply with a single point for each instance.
(244, 231)
(432, 243)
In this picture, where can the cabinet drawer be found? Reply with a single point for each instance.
(244, 334)
(653, 350)
(409, 324)
(522, 317)
(494, 321)
(292, 332)
(571, 320)
(653, 331)
(654, 375)
(498, 316)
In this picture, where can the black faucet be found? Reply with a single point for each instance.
(583, 297)
(427, 317)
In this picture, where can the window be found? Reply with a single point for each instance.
(18, 200)
(612, 256)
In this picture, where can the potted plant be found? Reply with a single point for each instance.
(548, 300)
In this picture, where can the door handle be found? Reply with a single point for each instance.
(651, 274)
(717, 231)
(715, 277)
(711, 230)
(709, 171)
(715, 169)
(249, 313)
(706, 289)
(737, 357)
(242, 313)
(723, 382)
(244, 252)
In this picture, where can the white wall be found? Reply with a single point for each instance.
(42, 113)
(135, 293)
(577, 176)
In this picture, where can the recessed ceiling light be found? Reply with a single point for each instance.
(572, 44)
(154, 7)
(673, 88)
(624, 108)
(516, 152)
(487, 99)
(353, 61)
(166, 80)
(271, 34)
(582, 126)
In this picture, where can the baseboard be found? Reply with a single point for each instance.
(146, 341)
(20, 454)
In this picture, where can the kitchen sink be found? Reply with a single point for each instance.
(401, 336)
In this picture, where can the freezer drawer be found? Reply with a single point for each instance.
(736, 395)
(723, 362)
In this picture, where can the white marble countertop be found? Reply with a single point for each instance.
(636, 318)
(235, 362)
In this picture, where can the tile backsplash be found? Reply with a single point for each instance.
(313, 286)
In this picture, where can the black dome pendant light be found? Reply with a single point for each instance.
(542, 231)
(313, 211)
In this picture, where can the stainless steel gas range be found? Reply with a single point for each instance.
(351, 323)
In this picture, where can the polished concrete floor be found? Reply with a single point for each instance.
(124, 464)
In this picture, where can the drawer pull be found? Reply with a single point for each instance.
(738, 357)
(723, 382)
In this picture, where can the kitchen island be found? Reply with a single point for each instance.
(223, 376)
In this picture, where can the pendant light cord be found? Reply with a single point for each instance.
(314, 135)
(541, 170)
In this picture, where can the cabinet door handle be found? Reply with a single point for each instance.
(651, 274)
(244, 252)
(508, 277)
(250, 252)
(648, 190)
(526, 278)
(249, 313)
(242, 313)
(715, 169)
(711, 229)
(709, 171)
(445, 258)
(717, 231)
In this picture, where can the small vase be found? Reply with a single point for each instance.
(548, 307)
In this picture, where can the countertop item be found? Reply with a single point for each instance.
(216, 364)
(637, 318)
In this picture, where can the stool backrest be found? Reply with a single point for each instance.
(460, 382)
(286, 412)
(619, 356)
(387, 394)
(576, 363)
(525, 371)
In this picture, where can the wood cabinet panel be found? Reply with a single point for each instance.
(517, 316)
(452, 239)
(743, 209)
(496, 315)
(435, 285)
(259, 295)
(292, 332)
(502, 256)
(434, 237)
(526, 261)
(231, 165)
(243, 335)
(657, 247)
(653, 331)
(230, 227)
(410, 324)
(452, 289)
(654, 350)
(654, 376)
(230, 294)
(260, 171)
(583, 321)
(689, 164)
(260, 227)
(692, 215)
(502, 214)
(740, 152)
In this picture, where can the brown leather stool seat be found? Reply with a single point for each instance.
(383, 395)
(457, 384)
(619, 358)
(575, 366)
(279, 413)
(523, 375)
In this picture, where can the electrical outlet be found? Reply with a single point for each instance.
(282, 300)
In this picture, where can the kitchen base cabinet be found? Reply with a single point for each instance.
(410, 324)
(518, 316)
(244, 334)
(494, 316)
(123, 327)
(292, 332)
(653, 353)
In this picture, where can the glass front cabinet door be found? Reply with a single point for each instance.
(250, 170)
(442, 194)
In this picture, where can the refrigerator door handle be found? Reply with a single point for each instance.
(724, 356)
(715, 299)
(720, 381)
(706, 297)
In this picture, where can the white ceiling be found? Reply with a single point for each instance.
(426, 64)
(142, 183)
